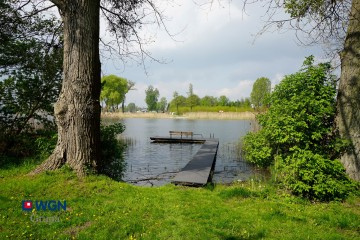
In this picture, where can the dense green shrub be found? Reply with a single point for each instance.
(22, 145)
(298, 131)
(45, 144)
(112, 161)
(257, 149)
(314, 176)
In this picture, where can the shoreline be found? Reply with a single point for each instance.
(189, 115)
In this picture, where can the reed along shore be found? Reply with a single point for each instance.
(189, 115)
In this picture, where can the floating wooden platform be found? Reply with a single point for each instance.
(199, 170)
(159, 139)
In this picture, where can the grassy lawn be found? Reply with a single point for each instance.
(100, 208)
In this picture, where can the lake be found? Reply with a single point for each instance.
(151, 164)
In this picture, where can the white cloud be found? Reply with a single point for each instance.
(276, 80)
(215, 53)
(241, 90)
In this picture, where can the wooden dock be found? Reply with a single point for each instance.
(199, 170)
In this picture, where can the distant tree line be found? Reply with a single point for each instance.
(114, 90)
(192, 100)
(258, 99)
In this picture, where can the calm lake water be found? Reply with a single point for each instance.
(156, 163)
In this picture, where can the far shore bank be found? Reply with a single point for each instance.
(189, 115)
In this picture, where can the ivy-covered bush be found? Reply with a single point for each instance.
(298, 132)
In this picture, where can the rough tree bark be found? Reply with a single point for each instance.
(348, 100)
(77, 110)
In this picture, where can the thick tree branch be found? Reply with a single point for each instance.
(313, 23)
(59, 3)
(38, 11)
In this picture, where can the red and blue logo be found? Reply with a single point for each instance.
(51, 205)
(27, 205)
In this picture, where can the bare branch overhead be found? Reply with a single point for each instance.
(314, 22)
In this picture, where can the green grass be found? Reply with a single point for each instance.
(100, 208)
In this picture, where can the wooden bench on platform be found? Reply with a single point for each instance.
(181, 133)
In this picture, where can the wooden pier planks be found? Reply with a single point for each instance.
(197, 171)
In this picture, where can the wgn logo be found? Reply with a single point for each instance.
(50, 205)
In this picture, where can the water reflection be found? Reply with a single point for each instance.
(156, 163)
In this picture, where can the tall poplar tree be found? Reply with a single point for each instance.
(151, 99)
(260, 91)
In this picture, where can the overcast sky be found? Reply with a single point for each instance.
(215, 51)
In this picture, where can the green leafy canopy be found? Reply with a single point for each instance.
(151, 99)
(31, 57)
(113, 90)
(260, 92)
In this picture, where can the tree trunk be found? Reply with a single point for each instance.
(348, 100)
(77, 110)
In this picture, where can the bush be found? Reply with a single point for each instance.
(46, 144)
(315, 177)
(22, 144)
(298, 132)
(257, 149)
(112, 161)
